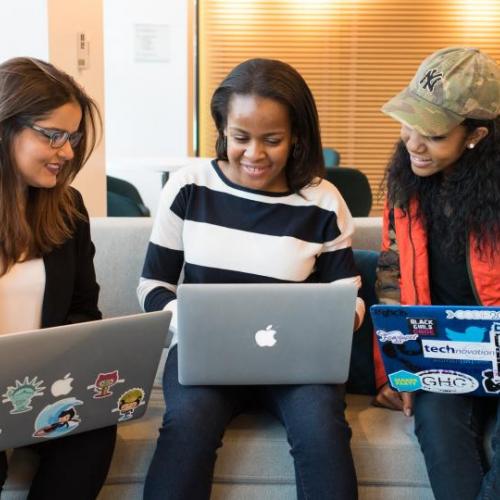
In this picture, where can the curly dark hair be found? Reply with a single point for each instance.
(281, 82)
(465, 201)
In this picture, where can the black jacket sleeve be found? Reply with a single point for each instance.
(71, 290)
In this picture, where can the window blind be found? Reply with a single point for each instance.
(354, 54)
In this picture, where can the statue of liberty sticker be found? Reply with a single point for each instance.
(21, 394)
(57, 419)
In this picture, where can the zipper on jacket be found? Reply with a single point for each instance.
(413, 260)
(469, 272)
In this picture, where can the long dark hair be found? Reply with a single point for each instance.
(33, 223)
(465, 201)
(281, 82)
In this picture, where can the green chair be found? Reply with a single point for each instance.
(354, 188)
(123, 199)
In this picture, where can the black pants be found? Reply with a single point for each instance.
(70, 467)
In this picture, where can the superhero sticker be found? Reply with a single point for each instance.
(128, 402)
(57, 419)
(103, 384)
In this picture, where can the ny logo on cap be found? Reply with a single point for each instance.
(430, 79)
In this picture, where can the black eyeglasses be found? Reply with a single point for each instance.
(57, 138)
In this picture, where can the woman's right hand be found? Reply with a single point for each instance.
(389, 398)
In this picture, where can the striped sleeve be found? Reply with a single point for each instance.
(165, 254)
(336, 260)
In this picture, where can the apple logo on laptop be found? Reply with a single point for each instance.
(62, 386)
(265, 338)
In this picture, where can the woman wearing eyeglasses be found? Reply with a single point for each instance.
(47, 277)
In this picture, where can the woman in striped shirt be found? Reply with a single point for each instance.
(261, 212)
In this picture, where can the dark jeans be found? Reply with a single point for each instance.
(450, 429)
(70, 467)
(196, 417)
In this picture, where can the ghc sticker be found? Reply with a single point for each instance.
(447, 381)
(405, 381)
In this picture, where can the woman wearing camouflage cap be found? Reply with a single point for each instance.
(441, 245)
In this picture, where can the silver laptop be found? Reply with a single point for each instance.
(237, 334)
(74, 378)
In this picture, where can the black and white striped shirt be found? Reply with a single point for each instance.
(218, 232)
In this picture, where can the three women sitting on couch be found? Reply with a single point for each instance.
(442, 209)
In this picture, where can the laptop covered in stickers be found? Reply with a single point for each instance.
(443, 349)
(75, 378)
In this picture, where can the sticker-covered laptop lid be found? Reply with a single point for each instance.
(443, 349)
(74, 378)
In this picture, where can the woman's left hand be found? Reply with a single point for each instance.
(357, 321)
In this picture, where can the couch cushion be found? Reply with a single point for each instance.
(255, 448)
(128, 243)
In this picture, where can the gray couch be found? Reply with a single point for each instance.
(254, 462)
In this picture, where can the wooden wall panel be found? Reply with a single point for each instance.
(354, 54)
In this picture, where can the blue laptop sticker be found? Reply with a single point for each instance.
(57, 419)
(470, 334)
(444, 349)
(405, 381)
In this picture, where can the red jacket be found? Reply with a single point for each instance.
(403, 271)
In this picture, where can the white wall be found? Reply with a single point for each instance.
(66, 20)
(47, 29)
(146, 101)
(23, 34)
(144, 104)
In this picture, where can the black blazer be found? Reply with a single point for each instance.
(71, 291)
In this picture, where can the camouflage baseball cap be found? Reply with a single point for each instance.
(451, 85)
